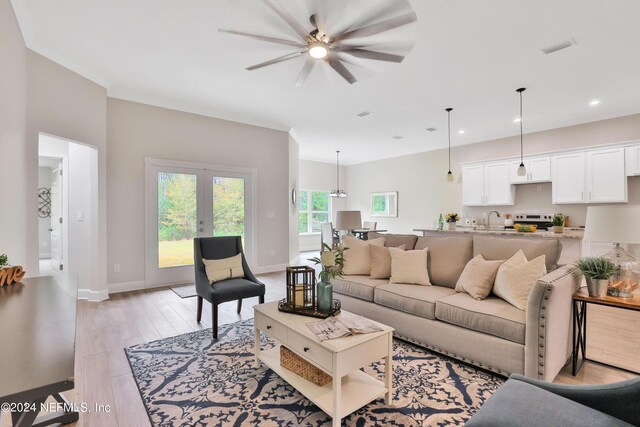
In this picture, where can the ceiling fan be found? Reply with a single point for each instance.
(318, 44)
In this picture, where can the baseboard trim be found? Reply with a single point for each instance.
(116, 288)
(308, 248)
(269, 268)
(95, 296)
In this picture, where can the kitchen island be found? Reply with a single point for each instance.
(571, 239)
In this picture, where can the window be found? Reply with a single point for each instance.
(313, 210)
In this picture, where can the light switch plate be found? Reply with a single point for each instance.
(79, 216)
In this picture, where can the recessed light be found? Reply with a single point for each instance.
(594, 102)
(432, 129)
(461, 131)
(517, 120)
(397, 137)
(363, 114)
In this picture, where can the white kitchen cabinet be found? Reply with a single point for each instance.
(538, 170)
(633, 160)
(606, 178)
(569, 173)
(473, 185)
(595, 176)
(487, 185)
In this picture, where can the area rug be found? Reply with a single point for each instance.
(191, 380)
(185, 291)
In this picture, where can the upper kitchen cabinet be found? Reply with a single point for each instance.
(632, 155)
(487, 185)
(595, 176)
(538, 170)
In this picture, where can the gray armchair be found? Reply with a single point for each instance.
(225, 290)
(523, 401)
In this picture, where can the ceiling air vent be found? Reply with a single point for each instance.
(431, 129)
(363, 114)
(557, 47)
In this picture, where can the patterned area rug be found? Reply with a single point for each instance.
(191, 380)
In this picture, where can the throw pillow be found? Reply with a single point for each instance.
(409, 267)
(517, 276)
(381, 261)
(223, 269)
(478, 276)
(357, 258)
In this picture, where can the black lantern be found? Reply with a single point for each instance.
(301, 287)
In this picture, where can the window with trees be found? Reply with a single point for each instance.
(314, 208)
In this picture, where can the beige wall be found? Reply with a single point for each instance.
(424, 192)
(14, 172)
(66, 105)
(137, 131)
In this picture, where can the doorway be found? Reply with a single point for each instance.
(185, 201)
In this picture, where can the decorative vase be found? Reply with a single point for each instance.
(451, 226)
(558, 229)
(597, 287)
(325, 296)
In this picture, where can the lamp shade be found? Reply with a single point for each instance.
(348, 220)
(613, 224)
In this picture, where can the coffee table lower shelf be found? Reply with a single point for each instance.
(358, 388)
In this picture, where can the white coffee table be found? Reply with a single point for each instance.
(341, 358)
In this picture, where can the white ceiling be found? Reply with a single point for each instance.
(470, 55)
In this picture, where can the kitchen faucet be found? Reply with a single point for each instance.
(487, 224)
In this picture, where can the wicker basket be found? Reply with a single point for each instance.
(296, 364)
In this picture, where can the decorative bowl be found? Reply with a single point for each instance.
(522, 228)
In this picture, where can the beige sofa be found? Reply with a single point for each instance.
(490, 333)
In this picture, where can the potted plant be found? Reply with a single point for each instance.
(451, 219)
(331, 260)
(597, 272)
(558, 223)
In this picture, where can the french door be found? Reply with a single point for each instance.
(185, 201)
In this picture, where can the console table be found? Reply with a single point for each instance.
(581, 299)
(38, 318)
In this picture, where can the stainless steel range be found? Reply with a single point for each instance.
(542, 220)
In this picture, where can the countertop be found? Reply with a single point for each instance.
(569, 233)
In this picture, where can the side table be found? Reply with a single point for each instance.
(581, 299)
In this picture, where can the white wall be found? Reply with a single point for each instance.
(424, 192)
(44, 236)
(137, 131)
(14, 163)
(321, 176)
(294, 177)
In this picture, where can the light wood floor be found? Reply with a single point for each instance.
(104, 329)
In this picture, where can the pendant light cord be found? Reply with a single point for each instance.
(338, 171)
(521, 144)
(449, 133)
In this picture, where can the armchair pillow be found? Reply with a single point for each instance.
(223, 269)
(381, 261)
(357, 259)
(478, 276)
(409, 267)
(517, 276)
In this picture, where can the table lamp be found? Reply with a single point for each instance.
(348, 220)
(616, 225)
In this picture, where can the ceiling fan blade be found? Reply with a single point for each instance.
(276, 60)
(306, 70)
(318, 21)
(337, 65)
(369, 54)
(288, 19)
(264, 38)
(379, 27)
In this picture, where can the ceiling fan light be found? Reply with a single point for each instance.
(522, 171)
(318, 51)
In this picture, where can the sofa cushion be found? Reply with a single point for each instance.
(505, 247)
(381, 261)
(517, 403)
(357, 258)
(447, 257)
(490, 316)
(516, 277)
(409, 267)
(357, 286)
(395, 240)
(416, 300)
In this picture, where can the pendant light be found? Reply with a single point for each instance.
(522, 170)
(449, 174)
(337, 192)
